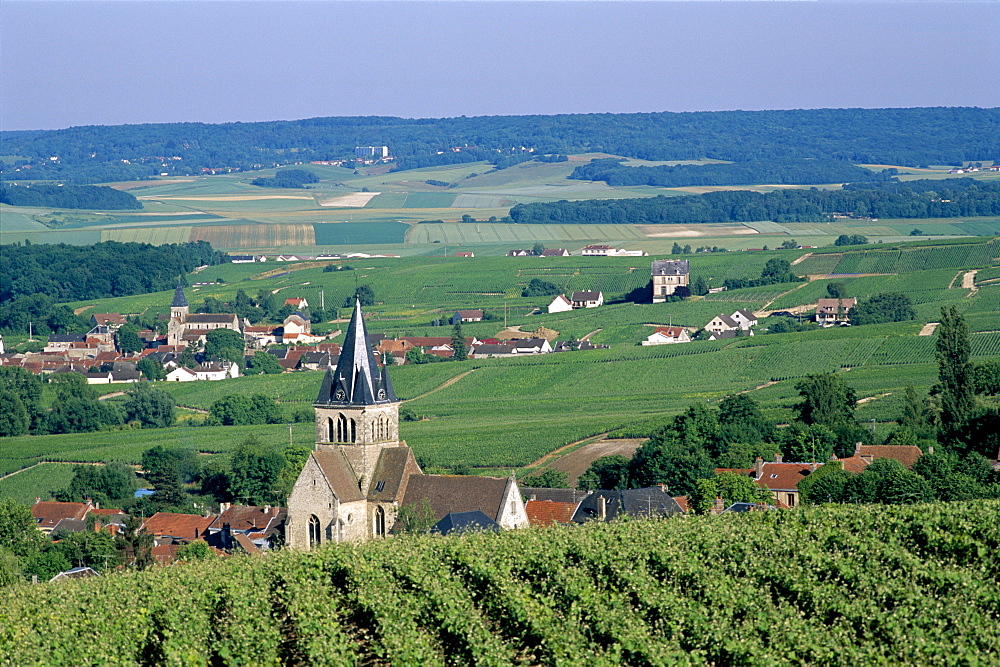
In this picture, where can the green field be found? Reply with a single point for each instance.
(237, 208)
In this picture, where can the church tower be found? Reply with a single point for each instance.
(179, 308)
(357, 411)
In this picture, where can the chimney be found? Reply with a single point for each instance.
(223, 507)
(602, 508)
(813, 466)
(857, 448)
(663, 487)
(777, 457)
(758, 468)
(37, 500)
(533, 497)
(267, 509)
(930, 450)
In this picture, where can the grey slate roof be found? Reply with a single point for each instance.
(648, 501)
(671, 267)
(180, 301)
(465, 522)
(358, 380)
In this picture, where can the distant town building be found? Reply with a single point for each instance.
(668, 275)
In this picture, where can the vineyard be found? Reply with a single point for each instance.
(907, 585)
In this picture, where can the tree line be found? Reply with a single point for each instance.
(778, 172)
(913, 137)
(68, 196)
(75, 273)
(812, 205)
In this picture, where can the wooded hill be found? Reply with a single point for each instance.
(914, 137)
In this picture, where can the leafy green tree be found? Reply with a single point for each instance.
(889, 307)
(740, 420)
(195, 551)
(956, 388)
(168, 470)
(986, 378)
(262, 362)
(550, 478)
(187, 358)
(537, 249)
(150, 406)
(735, 488)
(18, 530)
(365, 294)
(886, 481)
(13, 417)
(827, 484)
(538, 287)
(151, 369)
(776, 267)
(826, 400)
(135, 545)
(850, 239)
(241, 409)
(607, 472)
(28, 389)
(699, 286)
(665, 459)
(78, 415)
(255, 472)
(106, 484)
(72, 385)
(458, 343)
(127, 338)
(415, 519)
(836, 289)
(88, 548)
(225, 344)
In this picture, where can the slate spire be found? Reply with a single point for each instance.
(180, 301)
(357, 380)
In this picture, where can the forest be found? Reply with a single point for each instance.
(877, 200)
(73, 273)
(778, 172)
(913, 137)
(68, 196)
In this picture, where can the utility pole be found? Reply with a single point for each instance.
(322, 300)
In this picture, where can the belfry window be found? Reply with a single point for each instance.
(346, 431)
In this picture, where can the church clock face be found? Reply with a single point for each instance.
(381, 394)
(340, 395)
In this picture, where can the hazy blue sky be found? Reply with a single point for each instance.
(82, 63)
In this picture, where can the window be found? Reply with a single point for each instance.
(379, 527)
(314, 531)
(346, 431)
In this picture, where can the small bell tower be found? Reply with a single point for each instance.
(179, 308)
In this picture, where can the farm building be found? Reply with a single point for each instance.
(667, 335)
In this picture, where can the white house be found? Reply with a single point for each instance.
(744, 318)
(560, 304)
(667, 335)
(213, 371)
(181, 374)
(720, 323)
(587, 299)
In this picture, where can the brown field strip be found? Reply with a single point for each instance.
(255, 236)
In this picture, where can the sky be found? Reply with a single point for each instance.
(74, 63)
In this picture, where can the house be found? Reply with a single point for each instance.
(168, 526)
(587, 299)
(605, 505)
(560, 304)
(360, 474)
(667, 335)
(555, 252)
(258, 525)
(729, 333)
(247, 259)
(456, 523)
(467, 316)
(668, 276)
(864, 455)
(721, 323)
(287, 258)
(833, 311)
(75, 573)
(520, 253)
(49, 513)
(491, 350)
(598, 250)
(182, 374)
(781, 478)
(465, 253)
(107, 320)
(744, 318)
(297, 328)
(296, 302)
(549, 512)
(216, 371)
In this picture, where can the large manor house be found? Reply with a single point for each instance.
(360, 473)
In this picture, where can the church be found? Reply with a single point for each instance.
(360, 473)
(183, 328)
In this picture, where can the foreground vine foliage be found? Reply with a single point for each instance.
(913, 585)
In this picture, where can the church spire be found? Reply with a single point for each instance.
(180, 301)
(357, 379)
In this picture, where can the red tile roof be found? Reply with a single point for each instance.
(49, 513)
(905, 454)
(183, 526)
(783, 476)
(548, 512)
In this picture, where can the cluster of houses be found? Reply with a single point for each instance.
(252, 259)
(596, 250)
